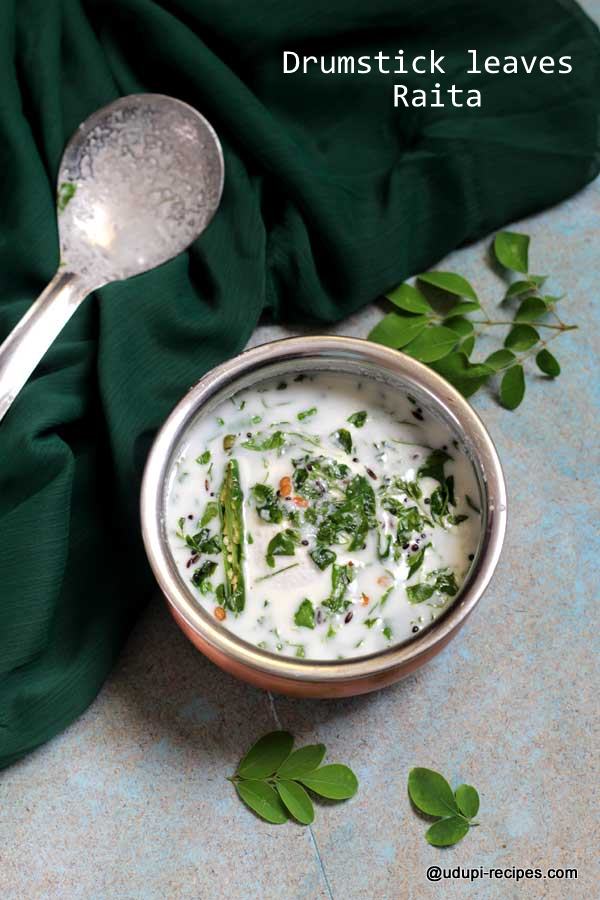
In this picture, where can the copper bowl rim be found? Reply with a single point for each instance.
(301, 354)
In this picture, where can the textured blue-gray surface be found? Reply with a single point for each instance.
(132, 801)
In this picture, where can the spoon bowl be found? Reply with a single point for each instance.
(138, 182)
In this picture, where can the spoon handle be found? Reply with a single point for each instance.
(32, 336)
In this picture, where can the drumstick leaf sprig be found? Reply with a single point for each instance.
(276, 781)
(442, 328)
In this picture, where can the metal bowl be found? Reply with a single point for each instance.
(298, 677)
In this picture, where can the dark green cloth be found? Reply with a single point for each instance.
(331, 197)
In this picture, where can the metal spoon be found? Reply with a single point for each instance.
(138, 182)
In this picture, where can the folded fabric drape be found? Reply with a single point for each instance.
(332, 196)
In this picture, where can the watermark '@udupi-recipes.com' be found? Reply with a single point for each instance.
(511, 873)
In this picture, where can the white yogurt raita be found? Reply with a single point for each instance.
(322, 516)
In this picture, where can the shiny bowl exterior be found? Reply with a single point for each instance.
(288, 675)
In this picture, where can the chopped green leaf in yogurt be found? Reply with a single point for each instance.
(306, 413)
(358, 419)
(304, 616)
(64, 195)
